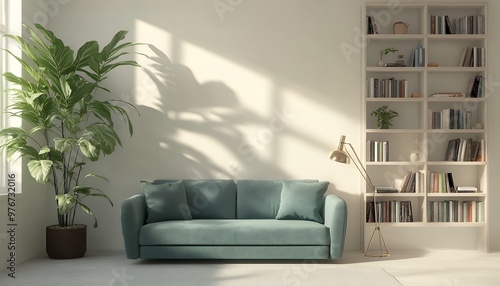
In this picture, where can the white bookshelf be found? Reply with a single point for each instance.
(412, 132)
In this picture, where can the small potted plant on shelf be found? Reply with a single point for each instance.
(385, 52)
(384, 116)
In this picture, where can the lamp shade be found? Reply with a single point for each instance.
(340, 156)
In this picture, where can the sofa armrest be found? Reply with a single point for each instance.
(133, 216)
(335, 216)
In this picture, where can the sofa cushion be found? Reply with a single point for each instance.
(302, 200)
(235, 232)
(211, 199)
(165, 201)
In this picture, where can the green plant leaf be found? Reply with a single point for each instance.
(44, 150)
(65, 202)
(88, 150)
(86, 54)
(97, 176)
(40, 170)
(88, 211)
(65, 144)
(82, 190)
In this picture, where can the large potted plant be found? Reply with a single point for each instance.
(67, 122)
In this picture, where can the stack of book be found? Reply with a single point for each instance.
(378, 151)
(389, 211)
(465, 149)
(456, 211)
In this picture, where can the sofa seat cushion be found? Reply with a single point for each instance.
(234, 232)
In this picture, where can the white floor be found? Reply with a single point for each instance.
(447, 268)
(410, 268)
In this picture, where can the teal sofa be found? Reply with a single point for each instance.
(224, 219)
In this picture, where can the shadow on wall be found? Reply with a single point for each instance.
(208, 114)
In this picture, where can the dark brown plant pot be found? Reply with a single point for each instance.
(66, 242)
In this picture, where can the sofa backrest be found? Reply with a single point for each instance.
(209, 198)
(259, 199)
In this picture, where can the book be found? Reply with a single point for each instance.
(451, 184)
(448, 94)
(465, 189)
(449, 27)
(385, 190)
(405, 182)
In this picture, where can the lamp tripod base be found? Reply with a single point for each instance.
(383, 252)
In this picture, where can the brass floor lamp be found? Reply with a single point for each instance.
(342, 155)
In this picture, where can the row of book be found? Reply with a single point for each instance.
(440, 24)
(449, 118)
(387, 88)
(413, 182)
(378, 151)
(456, 211)
(389, 211)
(441, 182)
(465, 149)
(473, 57)
(417, 57)
(438, 182)
(475, 24)
(371, 26)
(476, 87)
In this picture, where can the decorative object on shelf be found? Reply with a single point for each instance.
(400, 62)
(383, 52)
(384, 117)
(416, 94)
(67, 122)
(414, 157)
(400, 27)
(433, 65)
(342, 155)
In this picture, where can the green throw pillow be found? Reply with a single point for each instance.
(302, 201)
(166, 201)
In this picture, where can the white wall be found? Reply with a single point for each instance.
(221, 82)
(30, 211)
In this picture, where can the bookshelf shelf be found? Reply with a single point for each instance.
(456, 195)
(443, 63)
(395, 195)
